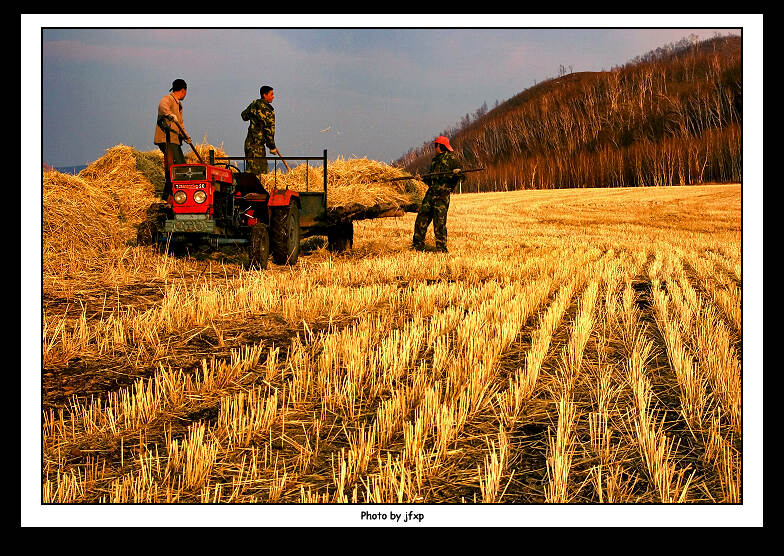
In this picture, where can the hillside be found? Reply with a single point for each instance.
(670, 117)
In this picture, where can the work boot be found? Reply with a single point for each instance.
(442, 249)
(417, 247)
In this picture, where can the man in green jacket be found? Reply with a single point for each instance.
(261, 130)
(435, 203)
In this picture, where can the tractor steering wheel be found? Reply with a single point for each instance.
(232, 167)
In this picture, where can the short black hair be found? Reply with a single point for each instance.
(265, 89)
(178, 85)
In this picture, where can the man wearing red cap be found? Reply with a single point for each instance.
(435, 203)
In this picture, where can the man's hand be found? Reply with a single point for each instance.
(456, 171)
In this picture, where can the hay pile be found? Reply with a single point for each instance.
(202, 148)
(89, 217)
(85, 218)
(354, 182)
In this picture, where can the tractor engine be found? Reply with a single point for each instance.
(202, 200)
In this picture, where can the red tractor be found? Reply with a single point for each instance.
(218, 203)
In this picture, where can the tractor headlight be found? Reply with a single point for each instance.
(180, 197)
(200, 196)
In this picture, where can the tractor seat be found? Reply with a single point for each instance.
(255, 197)
(248, 183)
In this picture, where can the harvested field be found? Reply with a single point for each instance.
(574, 346)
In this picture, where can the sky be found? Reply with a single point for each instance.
(367, 91)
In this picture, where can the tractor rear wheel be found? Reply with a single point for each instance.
(259, 250)
(285, 234)
(341, 237)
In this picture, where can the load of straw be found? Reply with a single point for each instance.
(90, 218)
(355, 187)
(203, 149)
(87, 217)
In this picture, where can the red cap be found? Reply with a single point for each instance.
(443, 141)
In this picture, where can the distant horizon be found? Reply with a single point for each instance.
(76, 169)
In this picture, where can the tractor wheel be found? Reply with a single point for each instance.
(259, 246)
(341, 237)
(147, 233)
(285, 234)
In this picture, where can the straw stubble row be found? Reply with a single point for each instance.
(396, 365)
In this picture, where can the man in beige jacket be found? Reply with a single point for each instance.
(170, 128)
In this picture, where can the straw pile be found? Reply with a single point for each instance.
(202, 148)
(89, 219)
(354, 185)
(86, 218)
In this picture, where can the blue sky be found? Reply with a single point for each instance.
(378, 91)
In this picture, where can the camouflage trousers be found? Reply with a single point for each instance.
(256, 167)
(434, 208)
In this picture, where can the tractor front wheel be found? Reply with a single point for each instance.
(147, 233)
(285, 234)
(259, 250)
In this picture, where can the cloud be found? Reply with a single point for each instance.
(74, 51)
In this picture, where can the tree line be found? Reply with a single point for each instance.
(670, 117)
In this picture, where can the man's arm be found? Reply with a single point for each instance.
(168, 108)
(268, 131)
(169, 111)
(247, 113)
(452, 165)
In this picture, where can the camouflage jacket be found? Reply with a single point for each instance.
(261, 130)
(442, 162)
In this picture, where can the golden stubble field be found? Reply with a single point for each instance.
(574, 346)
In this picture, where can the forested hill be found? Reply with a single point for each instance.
(670, 117)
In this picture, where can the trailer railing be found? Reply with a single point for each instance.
(307, 159)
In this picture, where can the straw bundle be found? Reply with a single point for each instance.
(203, 149)
(86, 218)
(351, 182)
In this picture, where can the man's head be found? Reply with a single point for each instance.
(441, 144)
(267, 93)
(179, 88)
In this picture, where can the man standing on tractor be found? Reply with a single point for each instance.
(261, 131)
(435, 203)
(170, 128)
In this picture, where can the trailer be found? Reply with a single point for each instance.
(215, 201)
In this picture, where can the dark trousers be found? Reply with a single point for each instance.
(175, 156)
